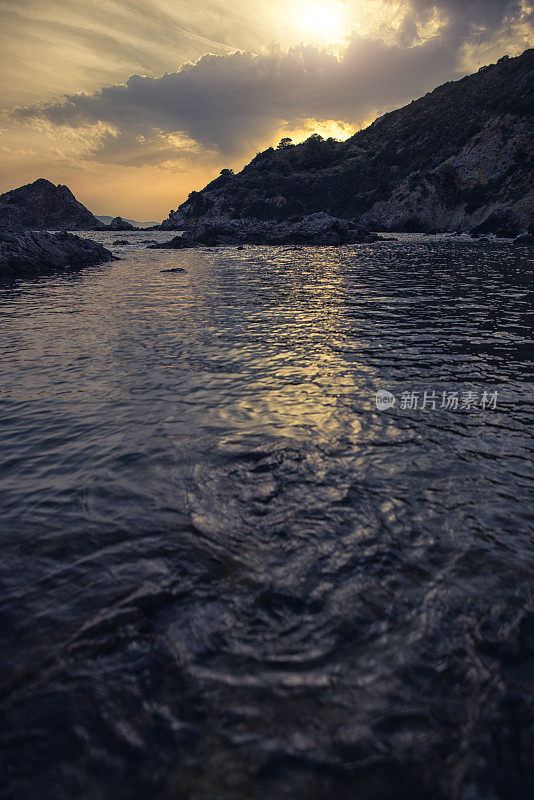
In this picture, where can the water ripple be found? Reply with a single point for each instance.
(225, 574)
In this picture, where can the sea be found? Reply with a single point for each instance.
(267, 524)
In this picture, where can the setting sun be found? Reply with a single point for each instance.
(322, 21)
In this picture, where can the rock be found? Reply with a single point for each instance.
(525, 239)
(178, 243)
(148, 241)
(174, 269)
(8, 237)
(502, 222)
(41, 205)
(315, 229)
(121, 242)
(119, 224)
(25, 253)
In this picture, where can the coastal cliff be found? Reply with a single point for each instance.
(460, 158)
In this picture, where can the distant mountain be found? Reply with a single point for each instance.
(41, 205)
(106, 220)
(462, 157)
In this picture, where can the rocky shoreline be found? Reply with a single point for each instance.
(314, 229)
(25, 253)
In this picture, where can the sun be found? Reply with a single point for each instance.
(324, 21)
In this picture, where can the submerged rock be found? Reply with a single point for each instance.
(120, 242)
(315, 229)
(25, 253)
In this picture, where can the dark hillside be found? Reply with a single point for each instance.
(453, 159)
(41, 205)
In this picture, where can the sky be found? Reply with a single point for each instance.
(134, 103)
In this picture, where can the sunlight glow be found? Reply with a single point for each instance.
(324, 21)
(325, 127)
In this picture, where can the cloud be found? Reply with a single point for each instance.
(468, 15)
(138, 147)
(228, 104)
(225, 103)
(48, 47)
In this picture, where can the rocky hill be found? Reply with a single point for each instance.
(41, 205)
(107, 220)
(460, 158)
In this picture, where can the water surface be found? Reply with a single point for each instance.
(224, 573)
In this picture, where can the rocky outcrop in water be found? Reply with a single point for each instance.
(25, 253)
(462, 157)
(43, 206)
(315, 229)
(526, 239)
(120, 224)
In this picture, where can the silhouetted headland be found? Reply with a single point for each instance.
(459, 159)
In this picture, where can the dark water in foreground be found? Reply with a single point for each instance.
(225, 574)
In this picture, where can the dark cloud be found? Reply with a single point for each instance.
(465, 21)
(468, 14)
(227, 104)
